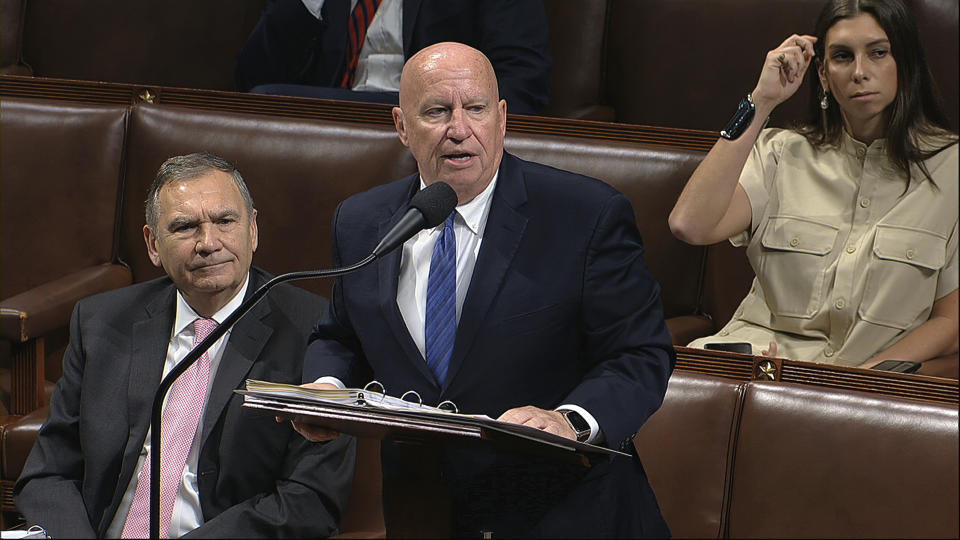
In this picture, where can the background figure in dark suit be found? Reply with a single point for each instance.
(559, 324)
(302, 47)
(245, 474)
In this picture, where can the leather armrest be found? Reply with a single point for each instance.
(686, 328)
(17, 436)
(48, 306)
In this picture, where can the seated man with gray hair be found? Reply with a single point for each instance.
(225, 471)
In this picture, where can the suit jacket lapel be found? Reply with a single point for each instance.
(148, 349)
(388, 274)
(501, 238)
(245, 343)
(151, 337)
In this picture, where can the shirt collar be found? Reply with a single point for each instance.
(474, 212)
(186, 314)
(852, 146)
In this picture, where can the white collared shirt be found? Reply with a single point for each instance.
(187, 513)
(381, 55)
(469, 222)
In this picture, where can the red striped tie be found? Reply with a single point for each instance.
(360, 20)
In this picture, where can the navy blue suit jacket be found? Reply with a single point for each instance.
(561, 309)
(290, 46)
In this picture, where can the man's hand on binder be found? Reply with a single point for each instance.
(549, 421)
(312, 432)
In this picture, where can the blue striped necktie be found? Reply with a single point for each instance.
(440, 329)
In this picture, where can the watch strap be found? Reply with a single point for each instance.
(741, 119)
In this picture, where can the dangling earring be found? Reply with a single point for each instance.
(824, 102)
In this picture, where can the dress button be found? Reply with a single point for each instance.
(722, 333)
(911, 253)
(795, 242)
(840, 303)
(861, 152)
(851, 249)
(864, 202)
(828, 352)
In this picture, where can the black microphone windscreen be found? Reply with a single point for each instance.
(435, 202)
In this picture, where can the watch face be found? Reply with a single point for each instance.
(576, 421)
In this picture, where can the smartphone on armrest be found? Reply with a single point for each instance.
(899, 366)
(741, 347)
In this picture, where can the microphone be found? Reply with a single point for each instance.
(429, 207)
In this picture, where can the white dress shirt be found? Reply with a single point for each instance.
(187, 514)
(381, 55)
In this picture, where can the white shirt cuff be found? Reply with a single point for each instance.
(595, 435)
(331, 380)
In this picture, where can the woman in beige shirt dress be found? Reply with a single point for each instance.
(850, 220)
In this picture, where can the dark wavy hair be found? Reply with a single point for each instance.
(916, 113)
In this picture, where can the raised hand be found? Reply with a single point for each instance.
(783, 71)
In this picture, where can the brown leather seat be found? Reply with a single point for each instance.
(685, 448)
(819, 463)
(54, 249)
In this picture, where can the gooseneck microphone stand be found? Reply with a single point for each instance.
(196, 353)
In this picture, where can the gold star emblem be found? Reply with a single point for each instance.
(147, 95)
(767, 370)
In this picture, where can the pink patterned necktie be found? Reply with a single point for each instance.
(181, 415)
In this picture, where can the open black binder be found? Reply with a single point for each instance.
(368, 413)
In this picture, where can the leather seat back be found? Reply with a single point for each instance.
(297, 170)
(813, 462)
(60, 179)
(685, 448)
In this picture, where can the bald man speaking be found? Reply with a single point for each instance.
(532, 304)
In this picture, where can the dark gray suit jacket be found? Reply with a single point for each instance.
(256, 477)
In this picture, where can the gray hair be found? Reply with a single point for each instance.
(186, 168)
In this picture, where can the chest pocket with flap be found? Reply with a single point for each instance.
(902, 275)
(793, 262)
